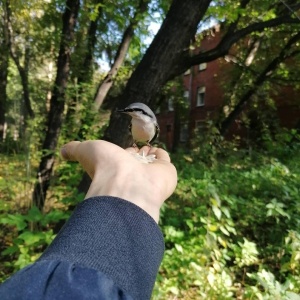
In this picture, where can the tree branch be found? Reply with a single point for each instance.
(128, 34)
(284, 54)
(228, 40)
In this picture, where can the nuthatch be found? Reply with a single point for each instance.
(144, 127)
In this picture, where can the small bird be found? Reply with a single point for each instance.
(144, 127)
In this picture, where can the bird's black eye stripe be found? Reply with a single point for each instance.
(137, 109)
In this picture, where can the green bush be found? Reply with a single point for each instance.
(232, 226)
(30, 233)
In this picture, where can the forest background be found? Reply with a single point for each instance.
(232, 227)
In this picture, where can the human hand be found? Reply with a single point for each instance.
(116, 172)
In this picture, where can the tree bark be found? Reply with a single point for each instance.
(107, 83)
(4, 62)
(57, 103)
(244, 101)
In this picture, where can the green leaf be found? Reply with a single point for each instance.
(34, 215)
(31, 238)
(15, 220)
(217, 212)
(179, 248)
(10, 250)
(55, 216)
(224, 230)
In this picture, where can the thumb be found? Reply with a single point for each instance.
(68, 151)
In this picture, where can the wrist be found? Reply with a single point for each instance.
(130, 190)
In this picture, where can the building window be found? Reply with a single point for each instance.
(186, 96)
(184, 132)
(200, 96)
(202, 66)
(171, 104)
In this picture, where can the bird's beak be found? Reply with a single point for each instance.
(121, 111)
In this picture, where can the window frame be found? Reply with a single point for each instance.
(201, 90)
(202, 67)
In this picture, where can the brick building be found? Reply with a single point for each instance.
(203, 92)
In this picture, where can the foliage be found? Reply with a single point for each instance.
(32, 235)
(25, 233)
(232, 227)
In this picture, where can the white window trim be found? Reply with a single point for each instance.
(171, 104)
(202, 66)
(184, 133)
(186, 96)
(200, 90)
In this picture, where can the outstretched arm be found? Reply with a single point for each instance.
(115, 172)
(111, 247)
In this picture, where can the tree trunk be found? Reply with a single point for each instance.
(4, 62)
(23, 71)
(244, 101)
(3, 94)
(85, 76)
(57, 103)
(107, 83)
(174, 36)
